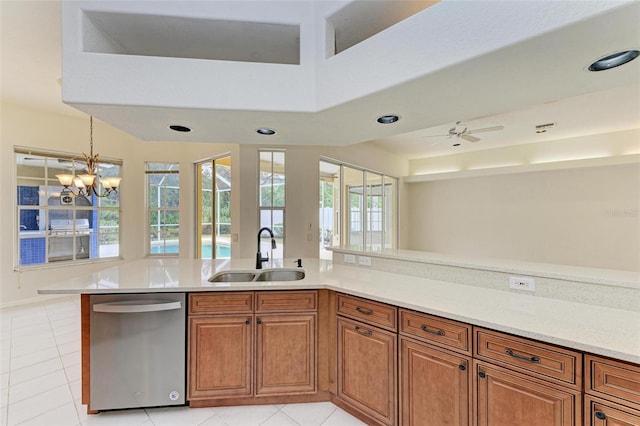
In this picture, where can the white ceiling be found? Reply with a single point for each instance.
(581, 103)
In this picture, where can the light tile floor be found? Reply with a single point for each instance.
(40, 381)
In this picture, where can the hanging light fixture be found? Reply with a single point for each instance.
(87, 184)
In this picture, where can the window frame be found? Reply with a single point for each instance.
(51, 185)
(344, 207)
(215, 207)
(149, 208)
(271, 208)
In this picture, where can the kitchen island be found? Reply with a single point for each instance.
(590, 329)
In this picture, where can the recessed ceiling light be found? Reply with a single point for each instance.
(266, 131)
(179, 128)
(388, 119)
(614, 60)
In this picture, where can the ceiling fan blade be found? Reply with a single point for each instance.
(486, 129)
(469, 138)
(435, 136)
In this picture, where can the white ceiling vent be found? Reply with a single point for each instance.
(195, 38)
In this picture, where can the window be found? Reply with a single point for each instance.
(367, 208)
(56, 227)
(163, 202)
(271, 193)
(213, 208)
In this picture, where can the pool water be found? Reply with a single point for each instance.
(172, 247)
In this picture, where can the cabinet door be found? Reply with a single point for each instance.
(505, 397)
(367, 368)
(220, 356)
(604, 413)
(434, 386)
(285, 354)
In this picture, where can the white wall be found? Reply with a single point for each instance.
(302, 177)
(33, 128)
(584, 217)
(38, 129)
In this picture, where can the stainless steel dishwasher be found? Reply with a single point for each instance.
(138, 350)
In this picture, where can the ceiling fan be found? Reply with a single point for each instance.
(461, 131)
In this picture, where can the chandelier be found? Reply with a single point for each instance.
(86, 185)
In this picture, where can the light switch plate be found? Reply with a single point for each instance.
(349, 258)
(364, 261)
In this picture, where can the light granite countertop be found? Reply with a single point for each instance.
(599, 330)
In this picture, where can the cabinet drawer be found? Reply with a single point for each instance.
(538, 359)
(220, 303)
(286, 301)
(438, 331)
(614, 380)
(370, 312)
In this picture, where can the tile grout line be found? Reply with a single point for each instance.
(64, 370)
(26, 366)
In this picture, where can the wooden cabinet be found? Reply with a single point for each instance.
(435, 385)
(367, 370)
(435, 370)
(521, 381)
(612, 392)
(600, 412)
(548, 362)
(373, 313)
(285, 354)
(240, 350)
(220, 356)
(505, 397)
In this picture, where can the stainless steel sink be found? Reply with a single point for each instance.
(281, 275)
(232, 277)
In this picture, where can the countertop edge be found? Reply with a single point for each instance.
(519, 331)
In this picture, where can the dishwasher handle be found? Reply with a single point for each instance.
(136, 306)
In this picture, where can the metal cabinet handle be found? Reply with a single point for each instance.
(533, 359)
(364, 332)
(259, 321)
(600, 415)
(482, 374)
(423, 327)
(136, 306)
(248, 322)
(462, 367)
(364, 311)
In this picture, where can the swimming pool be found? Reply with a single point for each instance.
(172, 247)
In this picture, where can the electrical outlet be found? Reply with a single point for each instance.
(364, 261)
(522, 283)
(349, 258)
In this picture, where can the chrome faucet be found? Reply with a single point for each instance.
(259, 258)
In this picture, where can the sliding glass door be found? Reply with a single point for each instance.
(213, 183)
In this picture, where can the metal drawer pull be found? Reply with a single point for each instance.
(364, 311)
(534, 359)
(600, 415)
(428, 330)
(364, 332)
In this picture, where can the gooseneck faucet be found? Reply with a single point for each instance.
(259, 258)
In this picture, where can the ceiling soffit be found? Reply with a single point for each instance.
(449, 61)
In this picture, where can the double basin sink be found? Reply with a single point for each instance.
(281, 274)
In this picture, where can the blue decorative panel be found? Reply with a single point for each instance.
(93, 252)
(32, 251)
